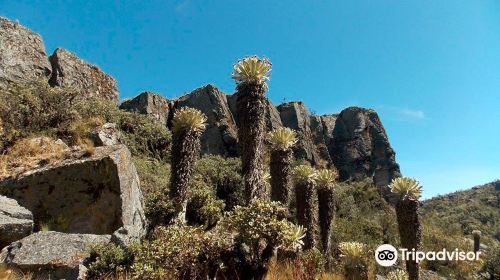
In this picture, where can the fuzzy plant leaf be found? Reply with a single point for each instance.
(353, 252)
(397, 274)
(252, 69)
(406, 188)
(188, 119)
(304, 173)
(476, 233)
(327, 177)
(282, 138)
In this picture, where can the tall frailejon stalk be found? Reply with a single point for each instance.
(354, 260)
(307, 203)
(326, 198)
(281, 141)
(187, 126)
(407, 192)
(477, 240)
(251, 75)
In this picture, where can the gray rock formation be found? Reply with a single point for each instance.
(355, 154)
(220, 136)
(149, 103)
(311, 145)
(22, 54)
(70, 71)
(106, 135)
(16, 222)
(51, 255)
(361, 148)
(96, 195)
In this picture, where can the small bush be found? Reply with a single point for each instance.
(223, 174)
(179, 252)
(203, 206)
(108, 260)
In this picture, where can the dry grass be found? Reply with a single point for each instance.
(31, 153)
(291, 270)
(9, 273)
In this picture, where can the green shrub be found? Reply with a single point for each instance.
(108, 260)
(491, 268)
(203, 206)
(35, 109)
(28, 109)
(179, 252)
(223, 174)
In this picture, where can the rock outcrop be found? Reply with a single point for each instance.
(355, 153)
(361, 148)
(220, 136)
(311, 145)
(70, 71)
(22, 54)
(51, 255)
(16, 222)
(106, 135)
(96, 195)
(149, 103)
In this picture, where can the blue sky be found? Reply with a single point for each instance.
(431, 69)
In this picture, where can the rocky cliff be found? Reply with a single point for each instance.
(22, 54)
(23, 59)
(354, 141)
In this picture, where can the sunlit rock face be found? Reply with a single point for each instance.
(22, 54)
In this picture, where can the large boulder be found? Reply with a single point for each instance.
(16, 222)
(51, 255)
(220, 136)
(99, 194)
(22, 54)
(361, 148)
(70, 71)
(149, 103)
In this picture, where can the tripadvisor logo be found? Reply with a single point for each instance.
(387, 255)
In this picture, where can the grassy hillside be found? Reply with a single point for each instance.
(475, 209)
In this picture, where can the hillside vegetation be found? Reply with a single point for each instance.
(216, 198)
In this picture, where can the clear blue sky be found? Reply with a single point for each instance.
(431, 69)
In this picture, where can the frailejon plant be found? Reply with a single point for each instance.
(397, 274)
(326, 182)
(187, 126)
(259, 230)
(354, 260)
(251, 75)
(304, 177)
(408, 191)
(476, 234)
(281, 141)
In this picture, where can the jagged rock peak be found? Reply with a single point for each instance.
(220, 136)
(361, 147)
(149, 103)
(311, 145)
(68, 70)
(22, 54)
